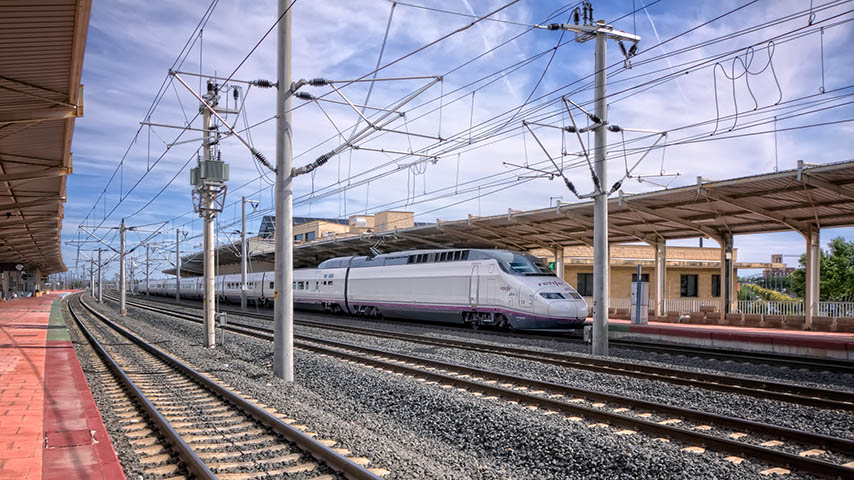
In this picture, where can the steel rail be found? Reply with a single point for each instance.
(809, 396)
(775, 359)
(819, 467)
(340, 463)
(194, 464)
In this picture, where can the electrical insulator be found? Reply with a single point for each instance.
(263, 83)
(633, 50)
(236, 94)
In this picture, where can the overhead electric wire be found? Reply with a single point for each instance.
(446, 104)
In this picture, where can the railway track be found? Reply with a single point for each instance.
(803, 395)
(766, 358)
(209, 431)
(783, 447)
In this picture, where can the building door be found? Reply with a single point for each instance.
(474, 285)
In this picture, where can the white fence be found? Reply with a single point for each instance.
(796, 307)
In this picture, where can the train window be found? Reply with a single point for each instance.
(271, 285)
(443, 256)
(464, 255)
(552, 295)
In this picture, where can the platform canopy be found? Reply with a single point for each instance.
(798, 200)
(41, 60)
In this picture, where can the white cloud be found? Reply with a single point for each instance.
(131, 44)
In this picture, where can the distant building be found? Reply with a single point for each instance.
(778, 270)
(309, 229)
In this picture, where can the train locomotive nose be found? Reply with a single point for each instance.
(566, 310)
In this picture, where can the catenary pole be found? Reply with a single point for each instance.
(207, 199)
(600, 207)
(283, 312)
(601, 32)
(122, 274)
(100, 279)
(243, 259)
(147, 272)
(178, 264)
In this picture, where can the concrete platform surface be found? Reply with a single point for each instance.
(792, 342)
(50, 427)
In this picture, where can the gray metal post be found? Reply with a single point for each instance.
(639, 292)
(177, 264)
(727, 273)
(131, 288)
(122, 279)
(283, 313)
(600, 208)
(243, 260)
(100, 279)
(208, 217)
(92, 278)
(813, 275)
(660, 277)
(559, 263)
(147, 272)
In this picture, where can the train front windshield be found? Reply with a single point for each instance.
(523, 264)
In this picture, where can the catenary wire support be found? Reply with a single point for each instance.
(601, 32)
(255, 153)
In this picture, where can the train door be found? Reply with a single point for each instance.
(474, 286)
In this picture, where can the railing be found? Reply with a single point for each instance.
(688, 305)
(796, 307)
(836, 309)
(764, 307)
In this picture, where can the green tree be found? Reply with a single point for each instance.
(837, 273)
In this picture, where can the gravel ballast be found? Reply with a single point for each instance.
(426, 431)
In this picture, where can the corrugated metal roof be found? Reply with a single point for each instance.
(797, 200)
(41, 60)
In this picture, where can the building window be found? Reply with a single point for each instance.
(309, 236)
(297, 238)
(644, 277)
(688, 285)
(716, 285)
(585, 284)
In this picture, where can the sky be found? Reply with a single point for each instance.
(474, 90)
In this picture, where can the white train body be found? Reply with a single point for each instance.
(481, 287)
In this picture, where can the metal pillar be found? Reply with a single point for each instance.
(727, 272)
(207, 200)
(600, 208)
(660, 277)
(283, 313)
(132, 289)
(100, 280)
(559, 264)
(813, 275)
(147, 272)
(92, 278)
(243, 249)
(177, 264)
(122, 279)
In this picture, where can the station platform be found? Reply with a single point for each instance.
(802, 343)
(50, 427)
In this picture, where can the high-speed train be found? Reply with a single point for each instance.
(476, 287)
